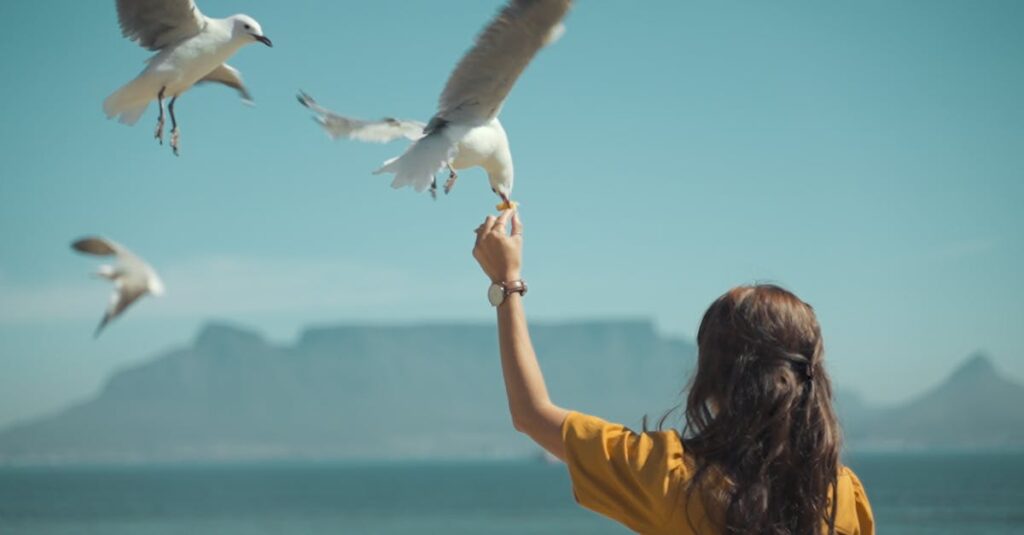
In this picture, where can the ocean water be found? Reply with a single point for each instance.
(911, 494)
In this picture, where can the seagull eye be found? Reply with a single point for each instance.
(247, 27)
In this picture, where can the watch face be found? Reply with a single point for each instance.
(495, 294)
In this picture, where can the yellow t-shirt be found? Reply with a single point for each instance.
(639, 480)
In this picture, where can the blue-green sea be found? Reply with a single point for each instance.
(931, 494)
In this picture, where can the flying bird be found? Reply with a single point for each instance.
(190, 47)
(465, 132)
(132, 277)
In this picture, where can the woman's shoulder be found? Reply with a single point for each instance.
(582, 427)
(853, 510)
(628, 476)
(847, 478)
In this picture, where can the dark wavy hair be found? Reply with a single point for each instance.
(759, 419)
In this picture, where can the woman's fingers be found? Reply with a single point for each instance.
(480, 233)
(488, 224)
(499, 256)
(499, 225)
(517, 225)
(502, 222)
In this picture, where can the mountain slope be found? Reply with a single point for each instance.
(435, 391)
(974, 408)
(420, 391)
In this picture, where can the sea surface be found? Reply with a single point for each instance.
(933, 494)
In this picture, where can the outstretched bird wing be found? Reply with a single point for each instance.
(483, 78)
(382, 131)
(231, 77)
(98, 246)
(123, 297)
(155, 24)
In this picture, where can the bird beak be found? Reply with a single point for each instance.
(263, 39)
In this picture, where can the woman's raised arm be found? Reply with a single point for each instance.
(500, 255)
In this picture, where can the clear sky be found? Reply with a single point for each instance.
(866, 155)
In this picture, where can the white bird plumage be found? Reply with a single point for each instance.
(191, 48)
(132, 277)
(465, 132)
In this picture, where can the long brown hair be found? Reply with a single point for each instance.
(759, 418)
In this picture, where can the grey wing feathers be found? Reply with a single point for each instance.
(483, 78)
(155, 24)
(121, 300)
(231, 77)
(96, 246)
(382, 131)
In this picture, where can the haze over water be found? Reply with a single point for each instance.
(911, 495)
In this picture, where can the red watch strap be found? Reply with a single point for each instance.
(514, 287)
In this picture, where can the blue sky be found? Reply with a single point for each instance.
(866, 155)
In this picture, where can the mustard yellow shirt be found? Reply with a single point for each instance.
(639, 480)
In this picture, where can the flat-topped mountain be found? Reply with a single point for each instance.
(435, 391)
(351, 392)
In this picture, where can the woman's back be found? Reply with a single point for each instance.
(643, 481)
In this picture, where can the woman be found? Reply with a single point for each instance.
(760, 450)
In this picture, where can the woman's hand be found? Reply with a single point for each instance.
(499, 253)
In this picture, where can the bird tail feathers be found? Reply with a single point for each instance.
(126, 104)
(419, 164)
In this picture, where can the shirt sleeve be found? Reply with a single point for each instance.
(629, 477)
(865, 518)
(854, 515)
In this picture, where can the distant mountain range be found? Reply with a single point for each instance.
(973, 408)
(435, 391)
(432, 391)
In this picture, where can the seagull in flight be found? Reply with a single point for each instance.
(190, 48)
(465, 131)
(132, 277)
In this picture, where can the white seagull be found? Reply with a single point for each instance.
(465, 131)
(191, 48)
(132, 277)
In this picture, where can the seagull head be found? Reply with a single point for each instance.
(247, 29)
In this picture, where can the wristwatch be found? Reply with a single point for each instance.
(498, 291)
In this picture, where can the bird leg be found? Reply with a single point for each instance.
(175, 134)
(159, 135)
(452, 177)
(433, 189)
